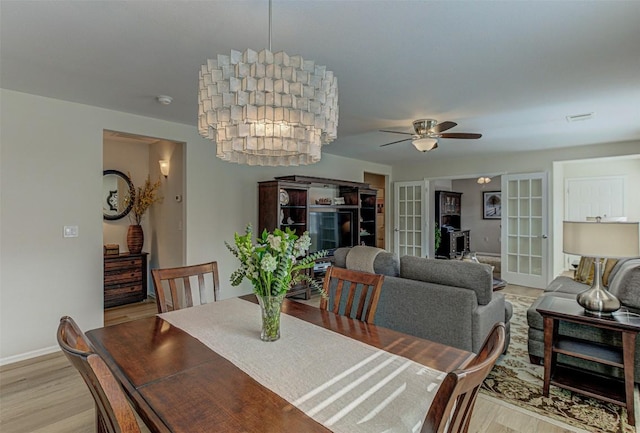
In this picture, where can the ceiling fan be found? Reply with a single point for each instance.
(427, 132)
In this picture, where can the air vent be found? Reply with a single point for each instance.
(580, 117)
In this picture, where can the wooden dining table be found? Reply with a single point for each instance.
(178, 384)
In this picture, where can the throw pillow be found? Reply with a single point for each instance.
(584, 272)
(608, 267)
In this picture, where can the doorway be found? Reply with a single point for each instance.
(138, 157)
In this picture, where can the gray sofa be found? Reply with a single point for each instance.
(448, 301)
(624, 283)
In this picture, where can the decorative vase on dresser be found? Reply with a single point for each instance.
(135, 238)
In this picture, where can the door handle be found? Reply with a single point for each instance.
(544, 236)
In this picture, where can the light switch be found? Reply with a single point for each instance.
(70, 231)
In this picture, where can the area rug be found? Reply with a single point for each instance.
(516, 381)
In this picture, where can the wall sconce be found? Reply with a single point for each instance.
(483, 180)
(164, 167)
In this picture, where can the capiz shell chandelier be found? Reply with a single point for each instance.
(265, 108)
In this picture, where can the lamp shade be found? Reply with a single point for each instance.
(601, 239)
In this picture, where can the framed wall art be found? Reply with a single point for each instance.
(491, 205)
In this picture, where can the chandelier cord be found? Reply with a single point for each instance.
(270, 25)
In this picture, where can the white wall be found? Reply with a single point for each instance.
(51, 176)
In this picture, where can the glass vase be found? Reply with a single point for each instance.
(270, 306)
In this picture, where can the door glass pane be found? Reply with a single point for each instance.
(410, 209)
(536, 207)
(512, 263)
(403, 238)
(536, 188)
(525, 190)
(513, 188)
(409, 193)
(536, 227)
(403, 223)
(513, 207)
(524, 206)
(523, 265)
(536, 246)
(536, 265)
(513, 245)
(513, 226)
(523, 248)
(403, 194)
(409, 223)
(524, 226)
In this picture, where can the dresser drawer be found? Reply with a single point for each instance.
(126, 276)
(123, 294)
(119, 264)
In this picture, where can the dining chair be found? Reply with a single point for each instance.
(453, 404)
(347, 288)
(113, 411)
(179, 284)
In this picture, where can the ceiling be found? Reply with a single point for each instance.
(511, 70)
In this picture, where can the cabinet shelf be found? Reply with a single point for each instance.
(301, 195)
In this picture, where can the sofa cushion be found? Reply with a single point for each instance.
(566, 285)
(609, 264)
(534, 319)
(584, 272)
(385, 263)
(625, 283)
(456, 273)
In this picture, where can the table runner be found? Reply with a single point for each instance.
(342, 383)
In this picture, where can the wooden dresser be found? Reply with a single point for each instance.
(125, 279)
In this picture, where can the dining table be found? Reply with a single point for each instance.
(205, 369)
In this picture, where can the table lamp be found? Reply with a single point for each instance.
(600, 240)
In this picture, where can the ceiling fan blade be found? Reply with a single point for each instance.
(441, 127)
(396, 132)
(394, 142)
(460, 135)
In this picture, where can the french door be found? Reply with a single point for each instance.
(525, 244)
(410, 226)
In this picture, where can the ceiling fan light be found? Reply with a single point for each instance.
(425, 144)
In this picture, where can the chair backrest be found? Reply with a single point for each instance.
(453, 404)
(113, 411)
(347, 288)
(179, 285)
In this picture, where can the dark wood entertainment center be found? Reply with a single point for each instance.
(454, 241)
(334, 212)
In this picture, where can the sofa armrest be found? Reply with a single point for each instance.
(431, 311)
(484, 317)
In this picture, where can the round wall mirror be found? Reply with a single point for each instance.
(116, 189)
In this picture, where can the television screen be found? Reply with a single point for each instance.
(330, 230)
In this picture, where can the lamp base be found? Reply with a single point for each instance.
(596, 300)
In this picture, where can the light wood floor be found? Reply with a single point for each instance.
(46, 395)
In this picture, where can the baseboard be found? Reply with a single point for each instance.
(28, 355)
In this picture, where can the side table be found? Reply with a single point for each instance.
(554, 310)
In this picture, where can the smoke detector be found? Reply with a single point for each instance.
(164, 99)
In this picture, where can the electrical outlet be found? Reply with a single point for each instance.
(70, 231)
